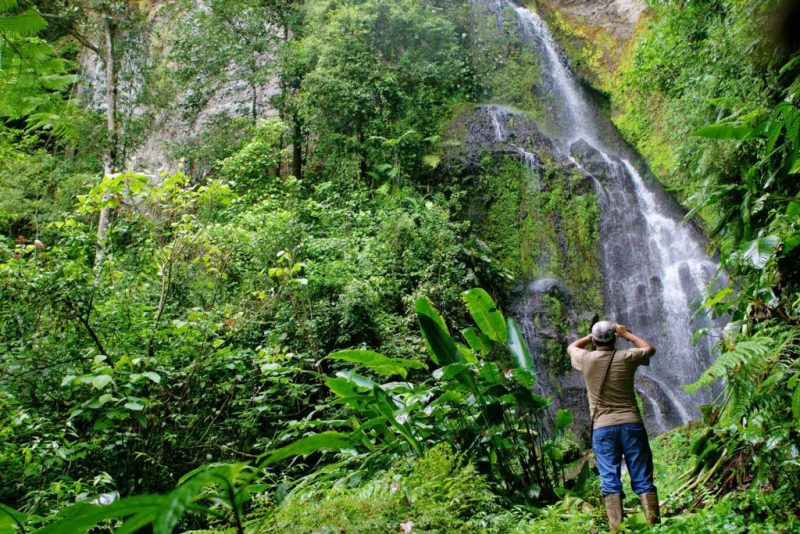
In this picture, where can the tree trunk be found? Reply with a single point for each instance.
(297, 149)
(362, 146)
(110, 155)
(254, 104)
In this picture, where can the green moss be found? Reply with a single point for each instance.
(542, 225)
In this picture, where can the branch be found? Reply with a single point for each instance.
(80, 38)
(86, 325)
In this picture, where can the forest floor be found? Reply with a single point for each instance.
(439, 493)
(745, 509)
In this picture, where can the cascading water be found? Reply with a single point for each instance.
(654, 266)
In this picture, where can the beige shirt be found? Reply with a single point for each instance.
(618, 401)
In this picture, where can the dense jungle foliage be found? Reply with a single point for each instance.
(287, 331)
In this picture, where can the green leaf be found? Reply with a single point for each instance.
(790, 243)
(431, 160)
(357, 379)
(324, 441)
(8, 5)
(724, 131)
(758, 251)
(82, 516)
(11, 520)
(477, 340)
(530, 399)
(449, 371)
(27, 23)
(342, 387)
(101, 381)
(386, 408)
(425, 306)
(524, 377)
(153, 376)
(440, 345)
(486, 315)
(716, 299)
(519, 348)
(467, 353)
(793, 209)
(134, 406)
(563, 419)
(796, 403)
(378, 362)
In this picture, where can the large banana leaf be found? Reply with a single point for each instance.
(477, 340)
(486, 315)
(440, 345)
(519, 348)
(424, 305)
(378, 362)
(328, 441)
(386, 407)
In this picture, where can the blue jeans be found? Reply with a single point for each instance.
(610, 444)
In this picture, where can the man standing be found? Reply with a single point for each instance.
(617, 425)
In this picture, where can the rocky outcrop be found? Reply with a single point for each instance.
(594, 33)
(617, 17)
(157, 114)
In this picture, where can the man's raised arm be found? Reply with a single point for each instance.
(639, 343)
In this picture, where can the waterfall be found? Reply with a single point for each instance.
(655, 268)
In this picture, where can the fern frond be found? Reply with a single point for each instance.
(740, 400)
(7, 5)
(29, 22)
(743, 355)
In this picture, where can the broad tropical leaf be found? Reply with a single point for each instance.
(387, 408)
(324, 441)
(440, 345)
(486, 315)
(519, 348)
(378, 362)
(477, 340)
(425, 306)
(10, 519)
(357, 379)
(758, 251)
(82, 516)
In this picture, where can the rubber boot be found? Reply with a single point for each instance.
(613, 510)
(650, 507)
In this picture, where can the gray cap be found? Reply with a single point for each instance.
(604, 331)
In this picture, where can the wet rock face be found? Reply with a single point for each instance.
(496, 130)
(589, 158)
(549, 320)
(618, 17)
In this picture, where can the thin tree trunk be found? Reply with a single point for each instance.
(297, 149)
(110, 155)
(254, 105)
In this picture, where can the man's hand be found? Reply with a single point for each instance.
(624, 333)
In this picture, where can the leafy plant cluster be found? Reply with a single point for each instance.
(481, 400)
